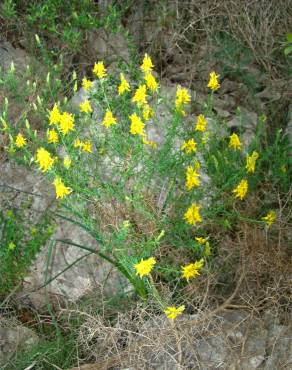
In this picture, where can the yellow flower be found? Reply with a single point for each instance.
(124, 85)
(182, 97)
(85, 107)
(20, 141)
(109, 119)
(234, 142)
(241, 189)
(147, 64)
(251, 161)
(67, 162)
(86, 146)
(87, 84)
(213, 82)
(140, 95)
(99, 70)
(137, 126)
(61, 189)
(172, 312)
(192, 215)
(144, 267)
(192, 270)
(66, 123)
(190, 146)
(44, 159)
(270, 218)
(192, 178)
(201, 123)
(201, 240)
(52, 136)
(77, 143)
(147, 112)
(151, 82)
(55, 115)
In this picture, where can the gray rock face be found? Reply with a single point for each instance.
(88, 271)
(20, 185)
(9, 54)
(15, 339)
(111, 47)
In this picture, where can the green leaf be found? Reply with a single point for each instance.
(288, 50)
(289, 37)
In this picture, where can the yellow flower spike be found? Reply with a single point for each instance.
(234, 142)
(192, 178)
(67, 162)
(251, 161)
(270, 218)
(189, 146)
(20, 141)
(201, 123)
(192, 270)
(55, 115)
(66, 123)
(147, 112)
(140, 95)
(77, 143)
(124, 85)
(44, 159)
(147, 64)
(192, 215)
(109, 119)
(151, 82)
(52, 136)
(86, 84)
(86, 146)
(137, 126)
(144, 267)
(172, 312)
(99, 70)
(213, 83)
(61, 189)
(241, 190)
(85, 107)
(182, 98)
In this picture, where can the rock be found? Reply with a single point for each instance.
(9, 54)
(89, 272)
(20, 185)
(24, 186)
(107, 46)
(14, 340)
(244, 124)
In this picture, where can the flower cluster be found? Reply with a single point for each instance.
(66, 143)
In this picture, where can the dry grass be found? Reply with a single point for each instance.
(184, 33)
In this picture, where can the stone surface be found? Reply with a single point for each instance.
(15, 339)
(91, 272)
(9, 54)
(19, 185)
(108, 46)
